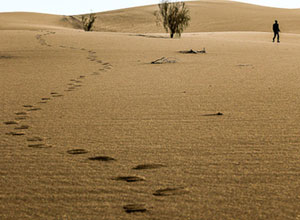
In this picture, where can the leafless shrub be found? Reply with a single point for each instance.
(88, 21)
(174, 16)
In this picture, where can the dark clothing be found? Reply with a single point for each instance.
(276, 31)
(276, 28)
(276, 34)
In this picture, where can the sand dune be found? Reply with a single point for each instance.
(90, 129)
(207, 16)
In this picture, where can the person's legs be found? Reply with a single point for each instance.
(278, 37)
(274, 36)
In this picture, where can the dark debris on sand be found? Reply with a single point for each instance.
(102, 158)
(131, 208)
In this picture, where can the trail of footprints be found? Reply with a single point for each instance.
(19, 128)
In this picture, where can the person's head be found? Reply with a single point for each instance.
(276, 21)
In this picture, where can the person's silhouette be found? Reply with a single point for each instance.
(276, 31)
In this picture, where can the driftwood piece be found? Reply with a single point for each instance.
(191, 51)
(163, 60)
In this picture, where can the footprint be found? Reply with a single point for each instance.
(11, 122)
(95, 73)
(21, 113)
(39, 146)
(77, 151)
(34, 139)
(149, 166)
(57, 95)
(171, 191)
(102, 158)
(130, 208)
(15, 133)
(21, 118)
(34, 109)
(27, 106)
(22, 127)
(45, 99)
(81, 77)
(130, 178)
(215, 114)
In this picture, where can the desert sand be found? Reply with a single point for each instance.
(90, 129)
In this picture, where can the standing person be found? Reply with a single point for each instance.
(276, 31)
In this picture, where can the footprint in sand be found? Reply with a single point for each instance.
(129, 178)
(40, 146)
(81, 77)
(102, 158)
(28, 106)
(21, 117)
(21, 113)
(95, 73)
(77, 151)
(15, 133)
(131, 208)
(34, 109)
(148, 166)
(45, 99)
(11, 122)
(34, 139)
(171, 191)
(214, 114)
(57, 95)
(22, 127)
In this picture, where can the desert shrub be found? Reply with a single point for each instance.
(174, 16)
(88, 21)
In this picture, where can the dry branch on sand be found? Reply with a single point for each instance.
(164, 60)
(193, 51)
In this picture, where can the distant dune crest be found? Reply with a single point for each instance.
(206, 16)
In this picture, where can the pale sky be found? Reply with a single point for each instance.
(71, 7)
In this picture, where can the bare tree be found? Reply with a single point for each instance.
(88, 21)
(174, 16)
